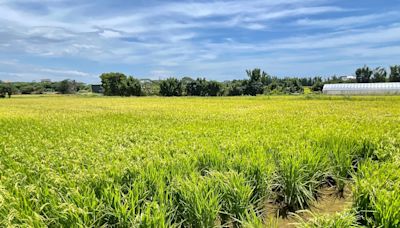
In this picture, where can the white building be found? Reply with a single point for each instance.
(347, 78)
(362, 88)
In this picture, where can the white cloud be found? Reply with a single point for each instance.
(344, 22)
(189, 36)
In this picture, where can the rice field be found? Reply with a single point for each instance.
(74, 161)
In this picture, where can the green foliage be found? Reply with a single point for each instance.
(251, 220)
(235, 196)
(67, 87)
(379, 75)
(73, 161)
(377, 194)
(132, 87)
(394, 73)
(214, 88)
(196, 202)
(298, 177)
(317, 86)
(202, 87)
(254, 85)
(171, 87)
(236, 88)
(197, 87)
(6, 89)
(118, 84)
(363, 75)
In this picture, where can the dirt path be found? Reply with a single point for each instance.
(328, 204)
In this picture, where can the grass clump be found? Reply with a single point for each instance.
(298, 177)
(340, 220)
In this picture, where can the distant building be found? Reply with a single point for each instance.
(97, 89)
(362, 88)
(347, 78)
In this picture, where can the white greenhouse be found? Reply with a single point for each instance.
(362, 88)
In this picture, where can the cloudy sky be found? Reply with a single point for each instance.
(216, 39)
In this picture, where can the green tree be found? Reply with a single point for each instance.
(255, 74)
(132, 87)
(6, 89)
(171, 87)
(394, 73)
(186, 80)
(363, 75)
(236, 88)
(317, 86)
(379, 75)
(254, 85)
(67, 87)
(214, 88)
(253, 88)
(113, 83)
(197, 87)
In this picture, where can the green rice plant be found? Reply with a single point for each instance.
(258, 170)
(377, 194)
(388, 148)
(341, 166)
(196, 203)
(386, 208)
(234, 195)
(209, 161)
(154, 216)
(74, 161)
(339, 220)
(252, 220)
(297, 179)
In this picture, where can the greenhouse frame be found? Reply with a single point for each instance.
(362, 88)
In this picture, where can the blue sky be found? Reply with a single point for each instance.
(219, 40)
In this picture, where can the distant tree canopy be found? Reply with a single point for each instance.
(118, 84)
(394, 73)
(67, 87)
(257, 82)
(379, 75)
(63, 87)
(363, 75)
(202, 87)
(6, 89)
(254, 85)
(171, 87)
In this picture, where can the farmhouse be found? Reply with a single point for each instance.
(362, 88)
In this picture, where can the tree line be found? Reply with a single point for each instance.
(257, 82)
(379, 74)
(62, 87)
